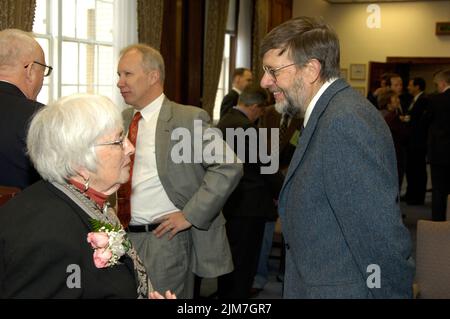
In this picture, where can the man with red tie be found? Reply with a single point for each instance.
(176, 222)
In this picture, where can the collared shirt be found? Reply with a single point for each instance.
(237, 90)
(316, 97)
(414, 101)
(149, 200)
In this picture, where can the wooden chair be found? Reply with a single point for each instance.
(433, 260)
(7, 192)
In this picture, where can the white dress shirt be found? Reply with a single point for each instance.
(149, 200)
(316, 97)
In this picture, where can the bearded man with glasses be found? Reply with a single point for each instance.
(339, 205)
(22, 72)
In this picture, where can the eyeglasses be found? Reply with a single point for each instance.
(118, 142)
(48, 69)
(274, 72)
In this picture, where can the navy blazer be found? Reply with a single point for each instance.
(339, 205)
(255, 192)
(439, 130)
(15, 113)
(229, 100)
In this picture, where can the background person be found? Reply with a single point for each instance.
(252, 202)
(22, 71)
(416, 143)
(390, 108)
(242, 77)
(439, 145)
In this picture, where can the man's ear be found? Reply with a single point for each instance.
(29, 74)
(313, 68)
(154, 76)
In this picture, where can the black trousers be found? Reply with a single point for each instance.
(416, 176)
(440, 180)
(245, 236)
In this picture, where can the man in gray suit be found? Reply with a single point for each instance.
(339, 203)
(176, 222)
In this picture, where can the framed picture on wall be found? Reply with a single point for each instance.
(443, 28)
(357, 71)
(360, 89)
(344, 74)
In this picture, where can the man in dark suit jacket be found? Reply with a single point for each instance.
(274, 118)
(439, 145)
(242, 78)
(416, 171)
(252, 202)
(22, 71)
(339, 203)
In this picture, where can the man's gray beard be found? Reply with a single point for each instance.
(286, 106)
(289, 106)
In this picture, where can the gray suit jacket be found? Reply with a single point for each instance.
(339, 205)
(198, 189)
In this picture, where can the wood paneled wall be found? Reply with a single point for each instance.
(182, 49)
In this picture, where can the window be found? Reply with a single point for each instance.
(77, 39)
(224, 80)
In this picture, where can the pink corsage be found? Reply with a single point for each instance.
(109, 243)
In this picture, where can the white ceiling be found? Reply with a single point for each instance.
(376, 1)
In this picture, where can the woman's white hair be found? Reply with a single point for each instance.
(62, 135)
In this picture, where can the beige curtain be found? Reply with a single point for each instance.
(18, 14)
(216, 20)
(150, 21)
(260, 26)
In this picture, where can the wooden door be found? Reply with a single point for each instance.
(279, 12)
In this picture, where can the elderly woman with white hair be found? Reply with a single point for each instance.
(59, 238)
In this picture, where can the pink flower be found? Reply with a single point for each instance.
(102, 257)
(109, 244)
(98, 239)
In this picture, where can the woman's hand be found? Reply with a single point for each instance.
(157, 295)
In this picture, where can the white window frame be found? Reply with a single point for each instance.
(55, 50)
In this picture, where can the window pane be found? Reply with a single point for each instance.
(44, 44)
(84, 89)
(69, 63)
(86, 19)
(105, 65)
(43, 95)
(87, 61)
(68, 18)
(105, 90)
(40, 18)
(104, 21)
(68, 90)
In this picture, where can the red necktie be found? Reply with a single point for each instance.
(124, 192)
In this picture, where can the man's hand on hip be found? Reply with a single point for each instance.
(173, 223)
